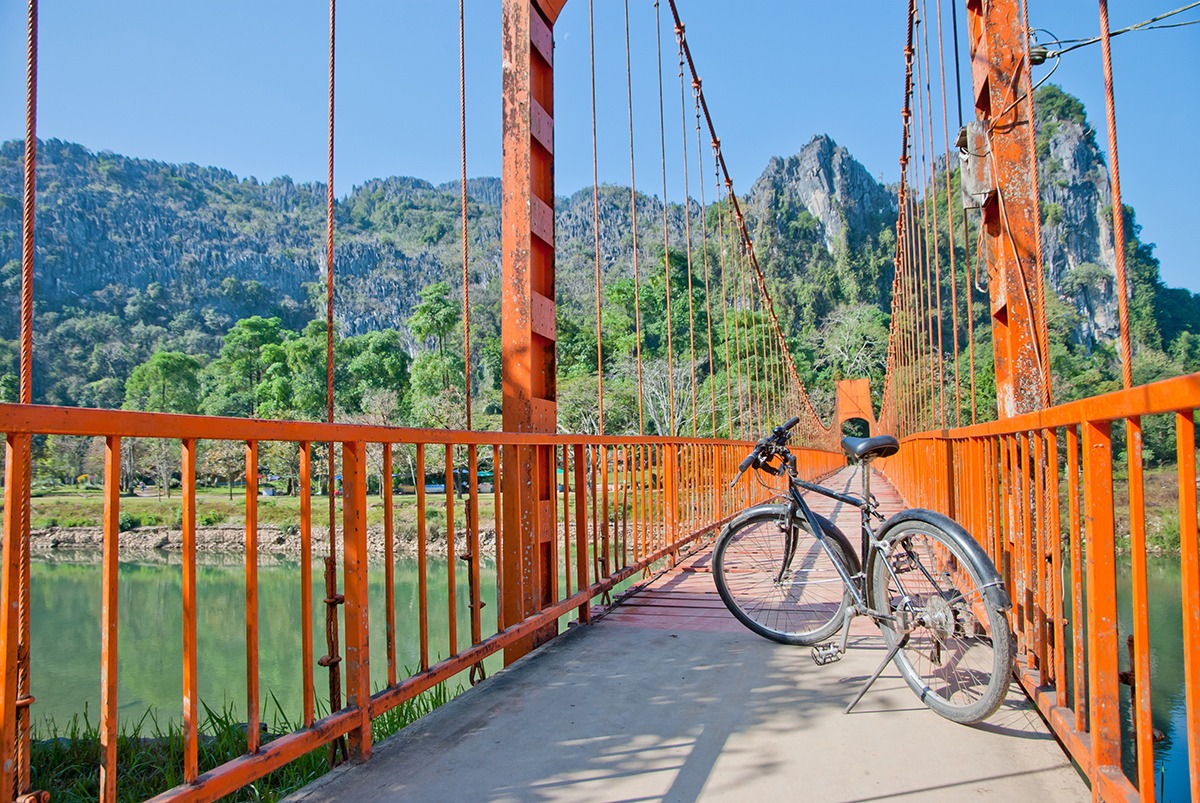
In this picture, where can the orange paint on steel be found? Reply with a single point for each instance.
(1104, 724)
(252, 707)
(451, 556)
(1118, 221)
(949, 217)
(566, 530)
(20, 532)
(306, 611)
(596, 221)
(1185, 445)
(472, 556)
(637, 292)
(687, 228)
(331, 660)
(191, 694)
(1038, 556)
(466, 276)
(354, 544)
(724, 293)
(233, 775)
(110, 563)
(389, 568)
(422, 561)
(1077, 604)
(662, 136)
(1058, 635)
(712, 365)
(581, 539)
(1143, 721)
(499, 552)
(527, 321)
(932, 242)
(997, 44)
(1039, 275)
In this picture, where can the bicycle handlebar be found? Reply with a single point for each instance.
(767, 448)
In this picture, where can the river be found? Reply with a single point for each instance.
(65, 600)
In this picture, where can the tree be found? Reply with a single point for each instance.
(168, 382)
(853, 343)
(233, 378)
(435, 317)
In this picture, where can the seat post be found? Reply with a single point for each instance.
(866, 482)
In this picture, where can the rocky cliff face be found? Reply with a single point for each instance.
(1077, 234)
(824, 179)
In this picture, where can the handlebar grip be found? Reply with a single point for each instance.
(793, 421)
(750, 458)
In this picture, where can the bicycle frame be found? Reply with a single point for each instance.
(870, 543)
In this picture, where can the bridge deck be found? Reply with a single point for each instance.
(669, 698)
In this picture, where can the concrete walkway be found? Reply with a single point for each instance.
(668, 698)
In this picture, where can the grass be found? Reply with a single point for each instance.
(150, 757)
(65, 506)
(70, 507)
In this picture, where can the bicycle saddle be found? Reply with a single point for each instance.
(867, 449)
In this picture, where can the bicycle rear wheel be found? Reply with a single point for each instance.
(958, 656)
(803, 604)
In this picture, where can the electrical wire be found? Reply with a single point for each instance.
(1144, 25)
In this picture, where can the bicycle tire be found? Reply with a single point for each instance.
(808, 604)
(958, 658)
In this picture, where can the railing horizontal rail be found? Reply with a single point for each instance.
(1057, 498)
(84, 421)
(617, 508)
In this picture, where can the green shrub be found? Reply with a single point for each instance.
(211, 517)
(128, 521)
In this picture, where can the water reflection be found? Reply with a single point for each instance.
(65, 608)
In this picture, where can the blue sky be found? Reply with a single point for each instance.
(241, 84)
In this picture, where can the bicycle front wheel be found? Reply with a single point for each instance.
(801, 601)
(957, 652)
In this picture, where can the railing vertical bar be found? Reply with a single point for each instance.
(422, 561)
(497, 541)
(16, 488)
(1185, 444)
(109, 619)
(1143, 724)
(603, 556)
(191, 725)
(389, 565)
(1056, 570)
(1078, 613)
(252, 711)
(451, 555)
(566, 530)
(594, 458)
(1010, 532)
(1104, 705)
(581, 531)
(354, 566)
(1037, 555)
(473, 563)
(1024, 500)
(306, 609)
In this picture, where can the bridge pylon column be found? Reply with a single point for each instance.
(528, 576)
(1000, 147)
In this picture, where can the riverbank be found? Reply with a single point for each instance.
(231, 540)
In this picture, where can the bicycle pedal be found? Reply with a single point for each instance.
(826, 653)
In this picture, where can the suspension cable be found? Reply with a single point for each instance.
(662, 137)
(1118, 210)
(596, 220)
(687, 228)
(637, 292)
(466, 276)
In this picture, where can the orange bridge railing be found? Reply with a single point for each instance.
(626, 505)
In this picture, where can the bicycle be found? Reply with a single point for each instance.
(792, 576)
